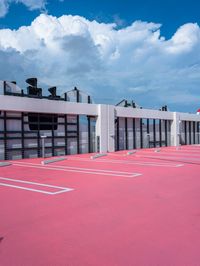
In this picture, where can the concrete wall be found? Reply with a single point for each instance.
(24, 104)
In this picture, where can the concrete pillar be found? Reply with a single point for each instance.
(175, 130)
(105, 128)
(102, 128)
(111, 128)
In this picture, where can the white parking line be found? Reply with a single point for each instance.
(80, 170)
(60, 189)
(129, 162)
(174, 158)
(175, 152)
(187, 152)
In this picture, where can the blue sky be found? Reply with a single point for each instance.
(150, 55)
(171, 14)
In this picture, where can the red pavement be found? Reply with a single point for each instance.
(111, 217)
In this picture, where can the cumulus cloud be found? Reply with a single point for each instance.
(3, 8)
(133, 62)
(31, 4)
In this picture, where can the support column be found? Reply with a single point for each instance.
(105, 128)
(102, 129)
(111, 128)
(175, 130)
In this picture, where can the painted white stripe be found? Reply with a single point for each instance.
(186, 153)
(24, 188)
(78, 171)
(186, 159)
(176, 152)
(79, 168)
(113, 154)
(60, 189)
(196, 145)
(181, 149)
(129, 162)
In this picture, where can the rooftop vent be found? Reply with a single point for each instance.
(53, 94)
(33, 90)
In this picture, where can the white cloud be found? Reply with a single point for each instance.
(3, 8)
(31, 4)
(185, 39)
(134, 62)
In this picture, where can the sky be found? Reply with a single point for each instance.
(147, 51)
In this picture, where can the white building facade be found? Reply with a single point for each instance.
(73, 125)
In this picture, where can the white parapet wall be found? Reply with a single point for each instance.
(142, 113)
(24, 104)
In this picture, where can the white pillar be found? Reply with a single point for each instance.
(111, 128)
(105, 128)
(102, 128)
(175, 130)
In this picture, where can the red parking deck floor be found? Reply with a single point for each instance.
(139, 209)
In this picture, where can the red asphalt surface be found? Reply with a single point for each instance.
(112, 217)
